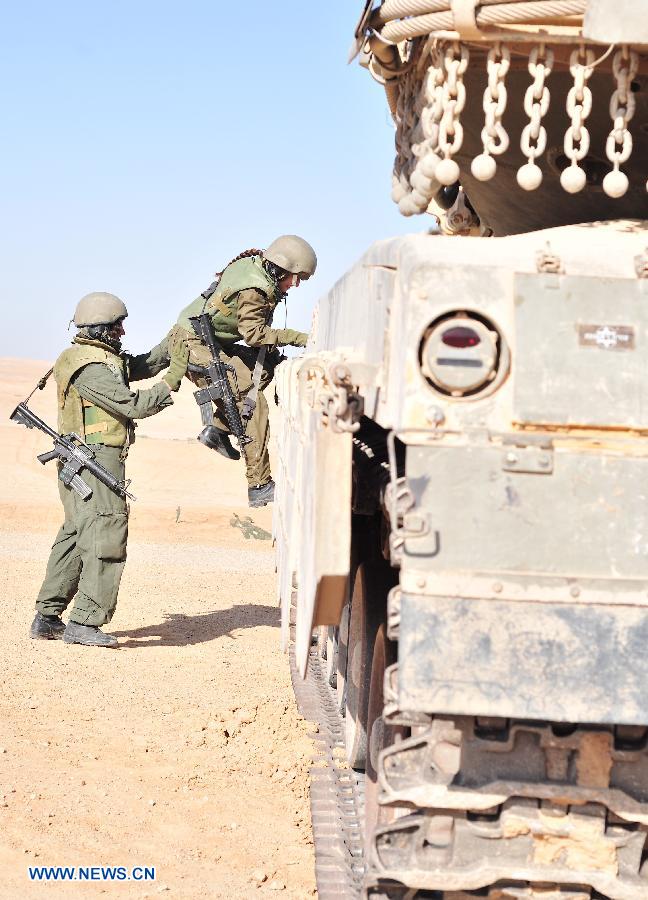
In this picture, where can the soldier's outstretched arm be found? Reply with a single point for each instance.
(172, 353)
(253, 309)
(146, 365)
(101, 385)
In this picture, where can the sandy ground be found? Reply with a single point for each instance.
(183, 749)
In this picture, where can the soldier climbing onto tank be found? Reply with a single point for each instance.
(241, 303)
(96, 402)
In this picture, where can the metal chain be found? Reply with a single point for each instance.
(579, 106)
(433, 111)
(414, 187)
(456, 60)
(400, 181)
(428, 127)
(536, 104)
(432, 97)
(421, 186)
(625, 65)
(422, 179)
(399, 159)
(494, 136)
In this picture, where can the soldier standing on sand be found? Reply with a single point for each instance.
(96, 402)
(241, 303)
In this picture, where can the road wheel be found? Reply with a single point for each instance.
(368, 604)
(359, 648)
(380, 735)
(331, 655)
(342, 654)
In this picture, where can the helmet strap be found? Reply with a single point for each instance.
(100, 333)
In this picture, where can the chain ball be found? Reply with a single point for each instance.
(420, 201)
(405, 207)
(529, 176)
(398, 191)
(429, 164)
(483, 167)
(447, 172)
(573, 179)
(422, 184)
(615, 183)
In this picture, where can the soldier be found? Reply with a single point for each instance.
(95, 401)
(241, 302)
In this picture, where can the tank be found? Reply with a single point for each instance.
(461, 523)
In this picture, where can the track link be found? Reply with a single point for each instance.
(336, 791)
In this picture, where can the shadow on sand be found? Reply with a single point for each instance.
(179, 630)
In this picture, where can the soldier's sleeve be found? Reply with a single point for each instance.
(146, 365)
(101, 385)
(253, 313)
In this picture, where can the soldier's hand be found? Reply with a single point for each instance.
(300, 339)
(179, 355)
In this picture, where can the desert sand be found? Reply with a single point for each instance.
(183, 749)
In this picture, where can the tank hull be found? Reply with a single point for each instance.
(476, 554)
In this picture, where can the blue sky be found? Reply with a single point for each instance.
(144, 144)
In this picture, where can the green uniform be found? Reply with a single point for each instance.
(95, 401)
(241, 309)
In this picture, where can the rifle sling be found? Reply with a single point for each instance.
(40, 384)
(249, 404)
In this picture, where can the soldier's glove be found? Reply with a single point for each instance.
(296, 338)
(179, 356)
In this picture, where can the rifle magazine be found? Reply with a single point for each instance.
(80, 486)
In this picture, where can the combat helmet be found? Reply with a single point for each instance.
(99, 308)
(293, 254)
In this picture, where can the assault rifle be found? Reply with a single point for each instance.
(218, 387)
(74, 454)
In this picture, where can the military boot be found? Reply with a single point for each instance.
(46, 628)
(89, 635)
(261, 495)
(219, 441)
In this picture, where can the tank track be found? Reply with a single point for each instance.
(510, 810)
(485, 808)
(336, 791)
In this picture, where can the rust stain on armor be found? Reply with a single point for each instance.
(594, 760)
(573, 842)
(576, 852)
(513, 827)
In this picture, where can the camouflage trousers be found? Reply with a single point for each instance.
(242, 360)
(89, 553)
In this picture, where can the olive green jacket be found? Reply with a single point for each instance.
(242, 307)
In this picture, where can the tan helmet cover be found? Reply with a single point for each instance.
(99, 308)
(293, 254)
